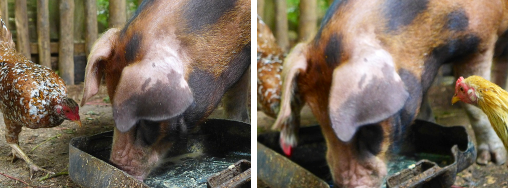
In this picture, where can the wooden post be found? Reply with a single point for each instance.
(117, 13)
(281, 24)
(91, 24)
(261, 8)
(43, 33)
(66, 47)
(21, 17)
(4, 8)
(308, 20)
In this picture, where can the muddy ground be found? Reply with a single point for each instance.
(440, 94)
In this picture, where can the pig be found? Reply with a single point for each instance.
(166, 70)
(366, 71)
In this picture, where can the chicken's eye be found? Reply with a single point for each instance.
(461, 89)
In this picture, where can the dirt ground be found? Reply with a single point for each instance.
(489, 175)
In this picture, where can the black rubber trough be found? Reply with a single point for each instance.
(431, 155)
(212, 147)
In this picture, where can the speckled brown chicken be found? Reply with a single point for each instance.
(31, 96)
(270, 57)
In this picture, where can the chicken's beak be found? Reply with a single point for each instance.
(455, 99)
(78, 122)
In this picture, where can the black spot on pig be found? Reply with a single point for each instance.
(402, 12)
(132, 47)
(455, 49)
(379, 99)
(501, 45)
(208, 90)
(147, 132)
(362, 81)
(201, 13)
(333, 51)
(147, 81)
(369, 138)
(161, 102)
(329, 13)
(413, 87)
(457, 20)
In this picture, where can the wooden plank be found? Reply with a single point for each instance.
(66, 47)
(79, 48)
(21, 17)
(43, 33)
(91, 24)
(117, 13)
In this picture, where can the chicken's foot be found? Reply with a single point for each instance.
(33, 167)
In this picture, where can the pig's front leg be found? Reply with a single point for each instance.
(490, 147)
(236, 99)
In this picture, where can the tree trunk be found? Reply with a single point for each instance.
(91, 24)
(261, 7)
(281, 24)
(330, 2)
(43, 33)
(79, 21)
(21, 17)
(139, 2)
(66, 47)
(117, 13)
(308, 20)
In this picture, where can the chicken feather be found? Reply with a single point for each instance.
(490, 98)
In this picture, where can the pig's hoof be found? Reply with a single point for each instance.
(483, 157)
(497, 155)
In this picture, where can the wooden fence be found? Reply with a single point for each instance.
(66, 48)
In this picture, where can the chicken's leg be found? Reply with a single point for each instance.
(11, 136)
(33, 167)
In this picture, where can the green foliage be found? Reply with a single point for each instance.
(103, 12)
(293, 12)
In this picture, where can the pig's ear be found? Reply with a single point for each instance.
(294, 64)
(152, 89)
(365, 90)
(101, 50)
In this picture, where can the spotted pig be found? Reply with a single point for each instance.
(166, 70)
(365, 73)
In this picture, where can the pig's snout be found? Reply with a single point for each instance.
(133, 157)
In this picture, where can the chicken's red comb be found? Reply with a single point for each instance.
(286, 148)
(459, 81)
